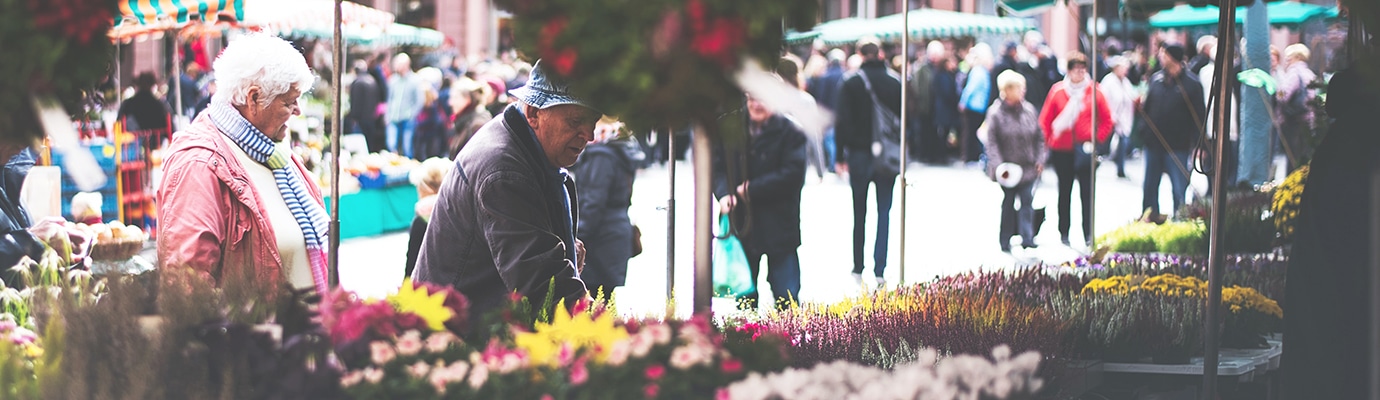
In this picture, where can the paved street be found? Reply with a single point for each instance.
(951, 227)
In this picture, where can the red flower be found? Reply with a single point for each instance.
(79, 20)
(655, 371)
(354, 321)
(564, 61)
(731, 366)
(696, 11)
(720, 42)
(651, 390)
(550, 31)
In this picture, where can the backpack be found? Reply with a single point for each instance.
(886, 135)
(1296, 105)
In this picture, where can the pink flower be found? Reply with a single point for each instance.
(373, 375)
(721, 394)
(354, 321)
(684, 357)
(381, 352)
(351, 379)
(618, 354)
(579, 373)
(7, 325)
(410, 343)
(731, 366)
(651, 390)
(661, 334)
(440, 341)
(478, 376)
(418, 369)
(655, 371)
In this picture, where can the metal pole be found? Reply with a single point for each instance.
(671, 216)
(337, 61)
(905, 88)
(1091, 237)
(1226, 50)
(177, 74)
(704, 219)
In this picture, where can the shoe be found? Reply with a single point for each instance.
(881, 283)
(1029, 246)
(857, 280)
(1121, 175)
(1064, 239)
(1006, 248)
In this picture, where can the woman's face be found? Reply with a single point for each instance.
(271, 115)
(1121, 70)
(1013, 94)
(1077, 73)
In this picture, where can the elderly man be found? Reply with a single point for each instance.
(235, 202)
(406, 97)
(505, 219)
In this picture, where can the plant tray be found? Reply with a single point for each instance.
(1226, 366)
(117, 250)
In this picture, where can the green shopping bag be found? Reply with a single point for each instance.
(732, 278)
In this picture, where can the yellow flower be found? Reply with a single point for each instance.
(580, 331)
(430, 307)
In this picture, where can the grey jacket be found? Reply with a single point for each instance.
(1013, 135)
(500, 222)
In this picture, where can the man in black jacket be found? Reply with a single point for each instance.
(505, 218)
(853, 130)
(363, 117)
(1175, 109)
(766, 205)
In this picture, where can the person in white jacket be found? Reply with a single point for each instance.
(1122, 98)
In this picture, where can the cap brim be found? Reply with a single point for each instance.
(543, 100)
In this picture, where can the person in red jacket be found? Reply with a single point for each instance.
(1066, 120)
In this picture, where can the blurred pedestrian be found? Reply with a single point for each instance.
(769, 197)
(1295, 115)
(1016, 156)
(427, 179)
(604, 175)
(144, 111)
(433, 121)
(974, 99)
(406, 97)
(363, 117)
(947, 118)
(1046, 69)
(788, 69)
(1066, 121)
(1123, 98)
(825, 89)
(926, 144)
(467, 98)
(1174, 111)
(853, 133)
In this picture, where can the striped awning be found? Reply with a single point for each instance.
(394, 35)
(933, 24)
(147, 17)
(285, 16)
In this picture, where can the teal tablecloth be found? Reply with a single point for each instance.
(375, 211)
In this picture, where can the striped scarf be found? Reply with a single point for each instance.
(310, 215)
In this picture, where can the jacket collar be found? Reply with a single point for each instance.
(516, 122)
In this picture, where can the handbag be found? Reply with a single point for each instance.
(1297, 104)
(636, 240)
(732, 276)
(886, 135)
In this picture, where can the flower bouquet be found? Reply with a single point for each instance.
(580, 352)
(59, 49)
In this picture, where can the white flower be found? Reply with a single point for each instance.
(418, 369)
(478, 375)
(684, 357)
(381, 352)
(660, 333)
(373, 375)
(509, 363)
(410, 343)
(641, 344)
(618, 353)
(351, 379)
(439, 341)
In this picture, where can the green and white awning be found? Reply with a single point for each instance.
(1281, 13)
(925, 22)
(139, 18)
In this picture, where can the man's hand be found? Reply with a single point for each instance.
(841, 167)
(743, 189)
(1039, 169)
(580, 255)
(727, 203)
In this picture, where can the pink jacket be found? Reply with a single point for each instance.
(210, 215)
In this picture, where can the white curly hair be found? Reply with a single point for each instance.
(260, 60)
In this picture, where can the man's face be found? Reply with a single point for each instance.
(271, 117)
(757, 112)
(563, 131)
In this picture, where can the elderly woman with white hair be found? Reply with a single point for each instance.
(235, 203)
(1293, 113)
(1015, 157)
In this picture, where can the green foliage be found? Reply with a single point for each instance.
(902, 355)
(1132, 326)
(1178, 237)
(65, 57)
(663, 62)
(1131, 238)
